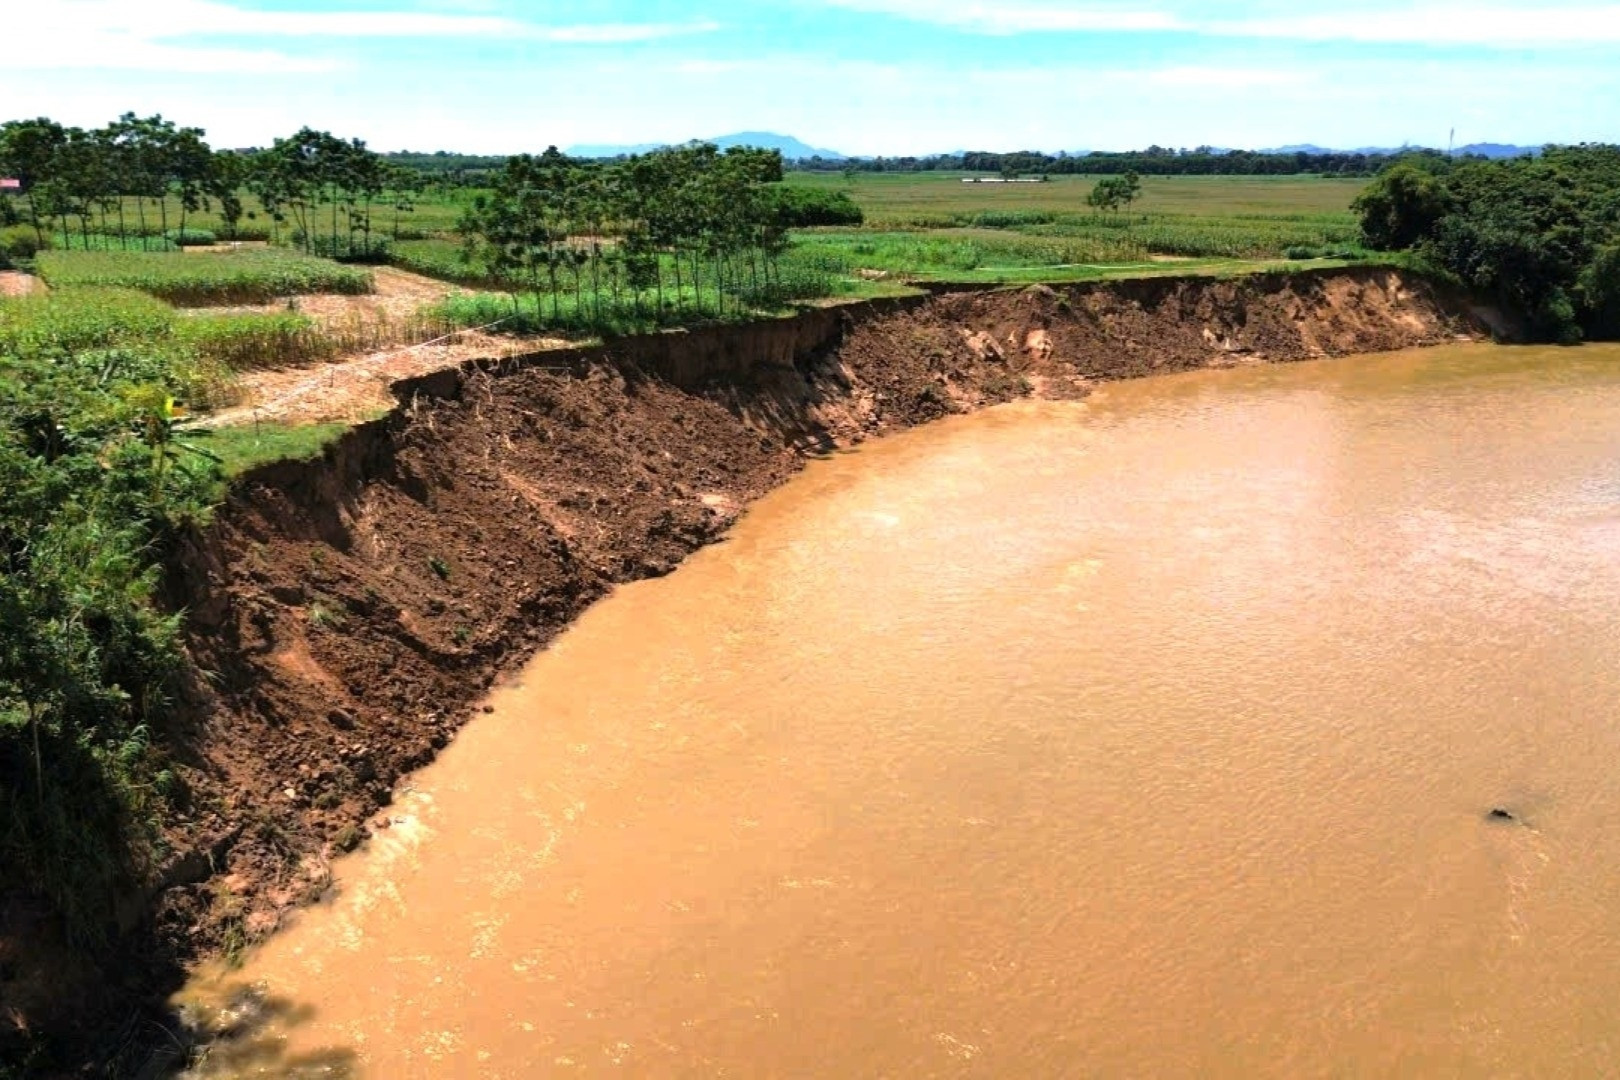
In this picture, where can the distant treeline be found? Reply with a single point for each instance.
(442, 165)
(1154, 161)
(475, 169)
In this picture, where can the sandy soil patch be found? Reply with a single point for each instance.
(359, 388)
(16, 283)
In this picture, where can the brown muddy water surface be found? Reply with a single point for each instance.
(1153, 735)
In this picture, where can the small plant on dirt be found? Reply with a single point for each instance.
(1002, 386)
(348, 838)
(439, 567)
(461, 635)
(231, 912)
(322, 617)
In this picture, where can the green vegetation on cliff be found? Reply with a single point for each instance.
(95, 483)
(1540, 235)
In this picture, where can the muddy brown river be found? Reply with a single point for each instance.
(1156, 735)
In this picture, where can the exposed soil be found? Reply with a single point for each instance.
(17, 283)
(398, 297)
(352, 611)
(358, 388)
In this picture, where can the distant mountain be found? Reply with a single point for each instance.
(1490, 150)
(588, 150)
(1498, 150)
(792, 149)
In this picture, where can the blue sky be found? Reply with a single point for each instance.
(859, 76)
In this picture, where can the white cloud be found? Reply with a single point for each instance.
(1220, 78)
(1495, 26)
(165, 35)
(1424, 22)
(624, 33)
(1030, 16)
(109, 52)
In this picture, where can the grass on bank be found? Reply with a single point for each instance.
(247, 446)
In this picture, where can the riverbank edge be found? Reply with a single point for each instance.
(346, 615)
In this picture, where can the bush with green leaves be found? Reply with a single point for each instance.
(805, 207)
(1537, 234)
(191, 237)
(95, 482)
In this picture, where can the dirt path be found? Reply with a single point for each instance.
(388, 324)
(16, 283)
(358, 388)
(400, 296)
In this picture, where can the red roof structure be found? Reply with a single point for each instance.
(8, 183)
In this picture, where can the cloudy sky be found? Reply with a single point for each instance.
(859, 76)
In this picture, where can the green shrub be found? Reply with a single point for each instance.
(94, 487)
(357, 250)
(18, 242)
(192, 237)
(802, 207)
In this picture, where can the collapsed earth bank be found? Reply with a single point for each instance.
(345, 615)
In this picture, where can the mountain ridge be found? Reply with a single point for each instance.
(792, 149)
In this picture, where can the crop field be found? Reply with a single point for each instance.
(194, 354)
(250, 276)
(934, 227)
(439, 258)
(902, 199)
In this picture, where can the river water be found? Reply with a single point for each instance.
(1154, 735)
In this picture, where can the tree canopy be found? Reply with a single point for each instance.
(1542, 235)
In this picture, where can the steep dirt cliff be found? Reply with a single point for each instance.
(345, 615)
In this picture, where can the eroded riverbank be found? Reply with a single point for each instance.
(1153, 735)
(351, 612)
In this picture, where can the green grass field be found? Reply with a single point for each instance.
(934, 227)
(900, 199)
(249, 276)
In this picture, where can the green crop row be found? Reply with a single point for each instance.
(442, 259)
(249, 276)
(141, 337)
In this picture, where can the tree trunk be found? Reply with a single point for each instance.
(39, 761)
(33, 215)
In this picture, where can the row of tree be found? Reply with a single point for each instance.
(684, 229)
(1154, 161)
(138, 177)
(1542, 235)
